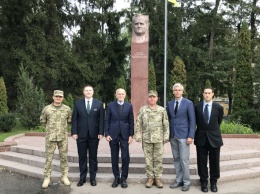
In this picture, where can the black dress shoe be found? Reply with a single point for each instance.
(214, 188)
(204, 188)
(81, 182)
(93, 182)
(116, 182)
(124, 184)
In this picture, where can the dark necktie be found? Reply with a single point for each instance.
(206, 114)
(120, 109)
(176, 107)
(88, 107)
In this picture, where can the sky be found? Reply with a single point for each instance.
(122, 4)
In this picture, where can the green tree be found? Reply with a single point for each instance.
(99, 47)
(207, 84)
(12, 39)
(151, 77)
(3, 97)
(31, 99)
(243, 85)
(178, 75)
(121, 83)
(32, 34)
(69, 101)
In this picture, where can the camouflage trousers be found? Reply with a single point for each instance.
(153, 154)
(50, 147)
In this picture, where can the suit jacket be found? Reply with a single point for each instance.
(84, 123)
(210, 130)
(114, 123)
(182, 125)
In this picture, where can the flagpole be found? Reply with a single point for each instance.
(165, 52)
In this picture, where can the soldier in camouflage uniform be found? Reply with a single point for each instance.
(152, 128)
(55, 118)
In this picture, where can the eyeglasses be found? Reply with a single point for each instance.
(59, 96)
(177, 90)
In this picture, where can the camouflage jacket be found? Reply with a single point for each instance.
(152, 125)
(56, 120)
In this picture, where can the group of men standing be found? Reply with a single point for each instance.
(155, 126)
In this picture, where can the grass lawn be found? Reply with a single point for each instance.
(16, 130)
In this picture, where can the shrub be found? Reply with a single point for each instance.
(31, 100)
(234, 128)
(249, 117)
(3, 97)
(69, 101)
(7, 122)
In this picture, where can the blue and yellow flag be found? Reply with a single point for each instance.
(174, 2)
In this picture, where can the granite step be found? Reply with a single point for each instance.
(37, 172)
(38, 161)
(136, 158)
(135, 168)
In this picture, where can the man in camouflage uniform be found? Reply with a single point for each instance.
(55, 118)
(152, 128)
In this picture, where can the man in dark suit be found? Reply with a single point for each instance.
(208, 139)
(119, 131)
(88, 129)
(182, 127)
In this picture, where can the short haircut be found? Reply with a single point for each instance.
(88, 85)
(177, 85)
(120, 89)
(209, 87)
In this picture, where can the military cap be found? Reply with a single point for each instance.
(152, 93)
(58, 93)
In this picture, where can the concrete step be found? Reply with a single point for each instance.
(134, 168)
(136, 158)
(38, 161)
(132, 178)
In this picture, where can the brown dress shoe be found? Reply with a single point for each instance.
(149, 183)
(158, 183)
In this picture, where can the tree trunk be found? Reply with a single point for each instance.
(213, 26)
(253, 28)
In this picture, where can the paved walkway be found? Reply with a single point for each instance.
(230, 144)
(13, 183)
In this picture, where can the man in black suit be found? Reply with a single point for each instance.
(119, 131)
(208, 139)
(88, 129)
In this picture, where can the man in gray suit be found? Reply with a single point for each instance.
(182, 128)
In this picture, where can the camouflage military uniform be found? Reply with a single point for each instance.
(152, 127)
(56, 120)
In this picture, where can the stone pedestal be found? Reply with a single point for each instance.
(139, 75)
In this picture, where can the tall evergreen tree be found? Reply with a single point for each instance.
(99, 47)
(207, 84)
(12, 40)
(151, 77)
(121, 83)
(31, 99)
(178, 75)
(32, 34)
(3, 97)
(243, 85)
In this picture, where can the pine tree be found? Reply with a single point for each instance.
(3, 97)
(243, 85)
(31, 100)
(207, 84)
(121, 83)
(151, 77)
(178, 75)
(69, 101)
